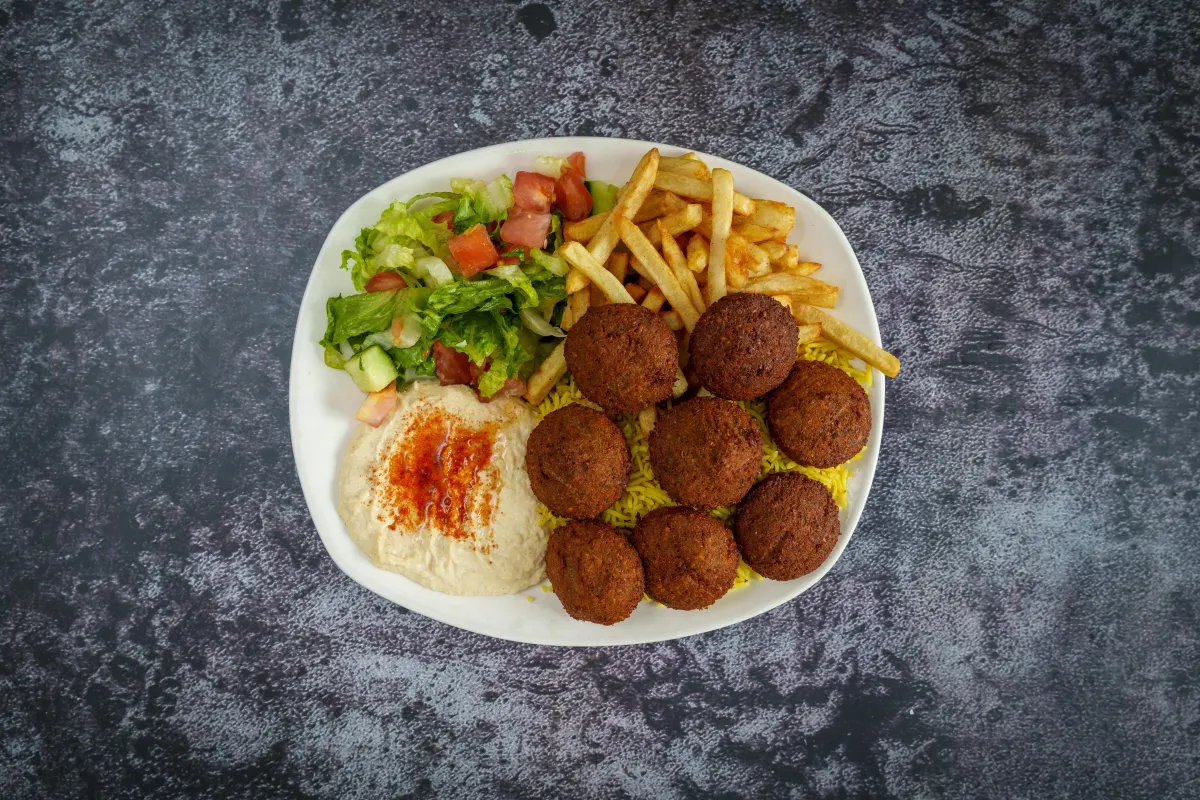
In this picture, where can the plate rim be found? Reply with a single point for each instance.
(865, 474)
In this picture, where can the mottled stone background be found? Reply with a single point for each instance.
(1018, 615)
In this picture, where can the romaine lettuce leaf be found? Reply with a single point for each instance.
(366, 313)
(481, 202)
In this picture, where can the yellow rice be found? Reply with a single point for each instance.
(643, 494)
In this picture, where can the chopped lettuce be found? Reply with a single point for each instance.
(520, 282)
(398, 239)
(367, 313)
(481, 202)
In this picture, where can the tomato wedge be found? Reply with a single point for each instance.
(378, 405)
(571, 195)
(533, 191)
(473, 250)
(455, 368)
(446, 218)
(577, 160)
(525, 228)
(385, 282)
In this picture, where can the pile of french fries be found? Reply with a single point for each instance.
(733, 244)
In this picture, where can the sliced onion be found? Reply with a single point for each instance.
(536, 323)
(406, 330)
(435, 270)
(346, 350)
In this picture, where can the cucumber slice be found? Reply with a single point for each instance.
(372, 369)
(604, 195)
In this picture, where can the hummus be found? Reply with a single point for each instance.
(439, 492)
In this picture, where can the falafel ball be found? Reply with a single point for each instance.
(744, 346)
(689, 557)
(706, 452)
(787, 526)
(623, 357)
(595, 572)
(819, 416)
(578, 462)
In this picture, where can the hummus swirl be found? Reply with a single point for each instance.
(439, 493)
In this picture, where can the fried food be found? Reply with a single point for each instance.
(744, 346)
(595, 572)
(705, 452)
(623, 357)
(578, 462)
(820, 416)
(689, 558)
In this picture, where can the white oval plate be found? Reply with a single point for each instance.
(322, 403)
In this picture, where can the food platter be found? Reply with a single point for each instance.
(322, 405)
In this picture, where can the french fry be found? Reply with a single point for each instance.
(808, 333)
(802, 268)
(785, 256)
(576, 281)
(681, 382)
(654, 300)
(690, 167)
(629, 202)
(722, 220)
(752, 258)
(753, 232)
(618, 265)
(585, 229)
(783, 300)
(579, 258)
(677, 261)
(843, 335)
(597, 296)
(676, 222)
(646, 419)
(644, 281)
(776, 216)
(636, 292)
(659, 204)
(686, 186)
(735, 274)
(580, 302)
(547, 374)
(801, 289)
(691, 156)
(697, 254)
(673, 321)
(659, 272)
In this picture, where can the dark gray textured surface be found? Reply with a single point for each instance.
(1018, 614)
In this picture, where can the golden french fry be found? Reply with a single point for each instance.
(673, 321)
(676, 222)
(579, 257)
(735, 273)
(618, 265)
(659, 272)
(801, 267)
(691, 155)
(697, 254)
(686, 186)
(636, 292)
(722, 221)
(659, 204)
(681, 384)
(585, 229)
(646, 419)
(808, 333)
(776, 216)
(801, 289)
(691, 167)
(783, 300)
(750, 256)
(597, 296)
(842, 334)
(547, 374)
(677, 261)
(629, 202)
(580, 301)
(655, 300)
(753, 232)
(576, 281)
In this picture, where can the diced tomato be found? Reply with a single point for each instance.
(571, 195)
(377, 406)
(577, 161)
(473, 250)
(385, 282)
(455, 368)
(513, 387)
(446, 218)
(533, 191)
(525, 228)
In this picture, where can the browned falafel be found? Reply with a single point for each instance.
(819, 416)
(578, 462)
(743, 346)
(690, 558)
(706, 452)
(787, 526)
(595, 571)
(623, 357)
